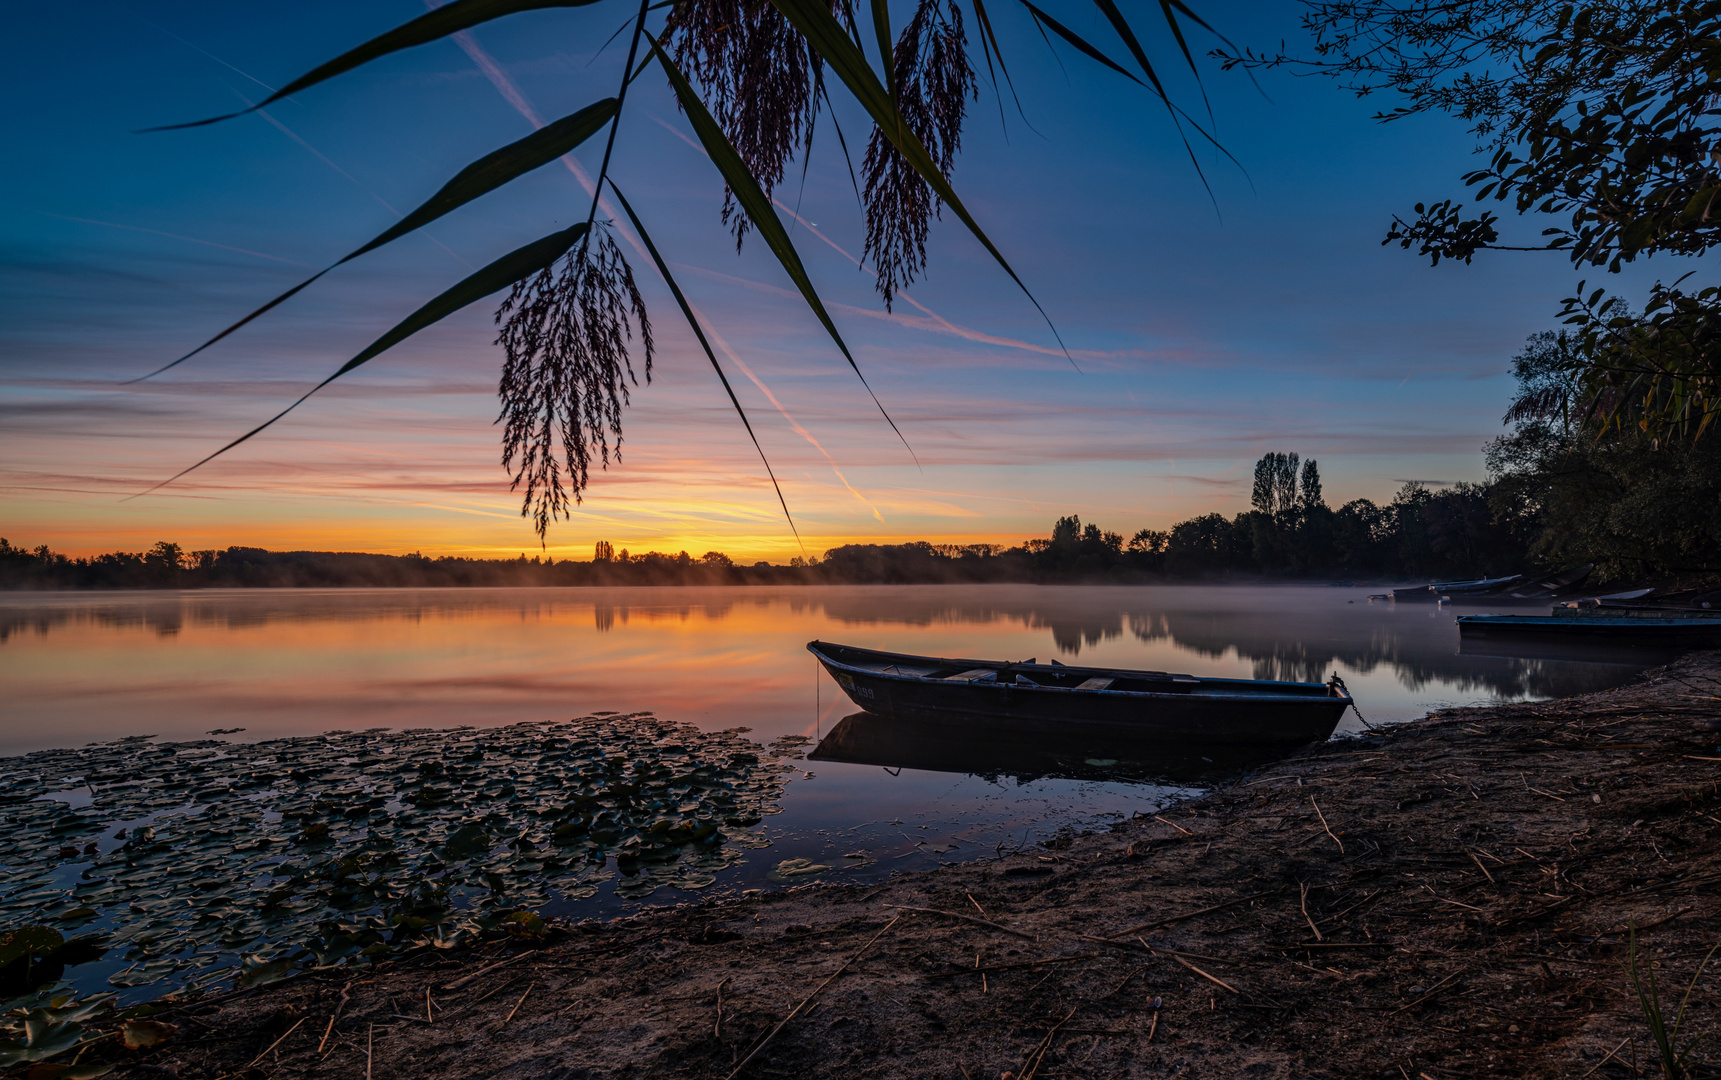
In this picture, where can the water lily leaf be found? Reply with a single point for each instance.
(33, 941)
(793, 869)
(261, 974)
(143, 1034)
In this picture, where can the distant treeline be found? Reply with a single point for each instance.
(1289, 532)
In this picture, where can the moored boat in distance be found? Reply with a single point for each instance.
(1030, 697)
(1640, 626)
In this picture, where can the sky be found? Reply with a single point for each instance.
(1204, 327)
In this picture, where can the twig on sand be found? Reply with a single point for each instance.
(463, 980)
(517, 1004)
(1480, 867)
(796, 1011)
(1214, 979)
(1037, 1055)
(1311, 922)
(964, 918)
(1608, 1056)
(1174, 825)
(717, 1029)
(1189, 915)
(976, 904)
(370, 1036)
(336, 1015)
(1325, 826)
(274, 1044)
(1435, 989)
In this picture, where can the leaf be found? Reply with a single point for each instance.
(825, 34)
(446, 20)
(758, 207)
(1082, 45)
(520, 263)
(143, 1034)
(479, 178)
(35, 941)
(698, 332)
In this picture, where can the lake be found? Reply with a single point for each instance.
(93, 668)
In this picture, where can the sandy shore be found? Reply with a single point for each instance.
(1446, 899)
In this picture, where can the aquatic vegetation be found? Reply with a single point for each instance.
(187, 860)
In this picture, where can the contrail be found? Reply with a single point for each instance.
(175, 236)
(320, 156)
(940, 323)
(512, 93)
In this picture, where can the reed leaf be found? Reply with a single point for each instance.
(757, 206)
(1083, 46)
(444, 21)
(479, 178)
(520, 263)
(699, 332)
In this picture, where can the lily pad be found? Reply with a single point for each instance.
(795, 869)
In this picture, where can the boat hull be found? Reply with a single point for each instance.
(1632, 630)
(1209, 712)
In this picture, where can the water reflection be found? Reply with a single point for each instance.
(282, 662)
(974, 748)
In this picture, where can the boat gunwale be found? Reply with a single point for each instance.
(1330, 693)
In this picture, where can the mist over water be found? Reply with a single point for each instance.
(81, 668)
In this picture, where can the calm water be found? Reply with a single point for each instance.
(78, 668)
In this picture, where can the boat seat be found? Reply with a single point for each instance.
(1096, 683)
(973, 676)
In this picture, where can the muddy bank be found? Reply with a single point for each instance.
(1446, 899)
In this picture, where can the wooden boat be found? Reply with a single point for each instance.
(1030, 697)
(1554, 584)
(1437, 590)
(1688, 629)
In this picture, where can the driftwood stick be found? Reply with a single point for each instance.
(517, 1004)
(796, 1011)
(1325, 826)
(1480, 867)
(274, 1044)
(1132, 931)
(964, 918)
(1435, 989)
(976, 904)
(1214, 979)
(1174, 825)
(1311, 922)
(463, 980)
(1608, 1056)
(1037, 1056)
(370, 1037)
(336, 1015)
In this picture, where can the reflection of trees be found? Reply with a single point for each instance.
(1297, 633)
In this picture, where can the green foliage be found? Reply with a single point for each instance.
(1598, 115)
(1674, 1055)
(1576, 489)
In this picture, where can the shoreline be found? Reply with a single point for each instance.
(1449, 897)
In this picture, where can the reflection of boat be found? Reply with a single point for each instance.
(1568, 650)
(974, 746)
(1647, 626)
(1043, 698)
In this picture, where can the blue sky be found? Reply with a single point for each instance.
(1204, 335)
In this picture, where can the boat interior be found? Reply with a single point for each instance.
(1032, 673)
